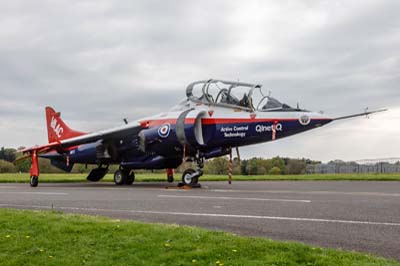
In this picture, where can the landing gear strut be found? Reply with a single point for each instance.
(190, 177)
(170, 175)
(124, 177)
(34, 171)
(130, 178)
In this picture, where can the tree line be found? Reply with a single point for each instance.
(219, 166)
(259, 166)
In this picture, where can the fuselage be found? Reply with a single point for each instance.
(211, 130)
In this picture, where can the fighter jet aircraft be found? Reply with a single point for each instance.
(215, 117)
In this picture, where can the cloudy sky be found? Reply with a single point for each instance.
(100, 61)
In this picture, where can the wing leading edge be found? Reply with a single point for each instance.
(61, 136)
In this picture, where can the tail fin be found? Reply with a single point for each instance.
(56, 128)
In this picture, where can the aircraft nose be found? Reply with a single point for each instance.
(318, 120)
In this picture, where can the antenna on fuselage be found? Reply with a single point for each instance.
(125, 121)
(366, 113)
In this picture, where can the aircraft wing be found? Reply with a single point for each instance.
(109, 134)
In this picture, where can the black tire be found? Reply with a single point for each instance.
(34, 181)
(130, 178)
(186, 180)
(120, 177)
(170, 178)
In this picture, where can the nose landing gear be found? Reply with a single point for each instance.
(190, 177)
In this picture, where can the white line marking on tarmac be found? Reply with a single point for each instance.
(34, 193)
(317, 192)
(214, 215)
(233, 198)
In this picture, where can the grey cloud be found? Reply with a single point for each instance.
(100, 61)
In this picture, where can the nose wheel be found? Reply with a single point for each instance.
(190, 177)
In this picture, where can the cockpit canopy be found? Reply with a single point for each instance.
(232, 94)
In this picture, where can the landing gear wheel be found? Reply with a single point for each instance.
(120, 177)
(130, 178)
(170, 178)
(187, 177)
(34, 181)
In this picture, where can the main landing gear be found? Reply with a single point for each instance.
(190, 177)
(124, 177)
(170, 175)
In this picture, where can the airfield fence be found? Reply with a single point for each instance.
(353, 168)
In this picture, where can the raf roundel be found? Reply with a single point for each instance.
(164, 130)
(304, 120)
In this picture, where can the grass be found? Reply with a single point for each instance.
(148, 177)
(54, 238)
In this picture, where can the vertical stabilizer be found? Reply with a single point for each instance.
(56, 128)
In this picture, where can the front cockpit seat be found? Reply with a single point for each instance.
(245, 102)
(227, 98)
